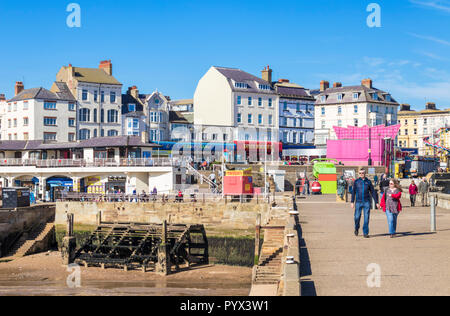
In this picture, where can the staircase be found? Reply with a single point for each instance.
(216, 188)
(28, 243)
(269, 267)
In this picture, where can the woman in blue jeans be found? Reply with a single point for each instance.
(391, 205)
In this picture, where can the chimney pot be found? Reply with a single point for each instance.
(106, 65)
(19, 87)
(324, 85)
(337, 85)
(267, 75)
(367, 83)
(431, 106)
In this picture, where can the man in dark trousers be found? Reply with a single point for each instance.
(363, 192)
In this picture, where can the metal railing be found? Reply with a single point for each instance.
(98, 162)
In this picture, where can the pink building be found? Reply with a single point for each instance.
(355, 143)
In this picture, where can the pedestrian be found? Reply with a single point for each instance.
(413, 191)
(375, 180)
(362, 195)
(306, 187)
(392, 206)
(154, 194)
(384, 183)
(423, 191)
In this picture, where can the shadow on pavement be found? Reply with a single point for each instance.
(307, 286)
(405, 234)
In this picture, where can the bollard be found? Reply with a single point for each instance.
(433, 213)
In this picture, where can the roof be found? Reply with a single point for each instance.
(182, 102)
(365, 95)
(129, 99)
(237, 75)
(181, 118)
(43, 94)
(93, 75)
(115, 141)
(292, 90)
(423, 112)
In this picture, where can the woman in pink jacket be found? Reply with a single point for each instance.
(413, 191)
(390, 202)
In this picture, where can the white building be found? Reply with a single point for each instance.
(39, 114)
(351, 106)
(296, 111)
(230, 104)
(157, 107)
(99, 99)
(134, 118)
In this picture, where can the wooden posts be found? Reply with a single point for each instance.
(163, 266)
(257, 239)
(99, 218)
(69, 242)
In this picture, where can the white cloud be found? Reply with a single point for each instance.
(440, 5)
(431, 38)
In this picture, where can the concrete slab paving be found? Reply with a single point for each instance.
(335, 262)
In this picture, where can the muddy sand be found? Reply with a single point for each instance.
(44, 274)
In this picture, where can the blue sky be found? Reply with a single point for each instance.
(169, 45)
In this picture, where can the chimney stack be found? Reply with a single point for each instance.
(367, 83)
(431, 106)
(405, 107)
(337, 85)
(267, 74)
(19, 87)
(283, 81)
(134, 92)
(2, 97)
(324, 85)
(106, 65)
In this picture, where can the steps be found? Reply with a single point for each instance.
(26, 244)
(268, 270)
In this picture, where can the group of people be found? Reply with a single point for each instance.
(363, 192)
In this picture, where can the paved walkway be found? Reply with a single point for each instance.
(335, 262)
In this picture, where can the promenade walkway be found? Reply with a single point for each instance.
(335, 262)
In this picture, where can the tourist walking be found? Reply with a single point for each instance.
(306, 187)
(384, 183)
(375, 180)
(362, 195)
(423, 191)
(390, 202)
(413, 191)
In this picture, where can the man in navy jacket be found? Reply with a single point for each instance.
(363, 192)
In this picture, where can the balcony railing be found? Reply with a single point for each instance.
(99, 162)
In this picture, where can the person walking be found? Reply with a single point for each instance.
(392, 206)
(413, 191)
(375, 180)
(384, 183)
(423, 190)
(362, 195)
(306, 187)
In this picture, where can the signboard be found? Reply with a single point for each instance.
(372, 171)
(349, 174)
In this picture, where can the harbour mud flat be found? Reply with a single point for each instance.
(44, 275)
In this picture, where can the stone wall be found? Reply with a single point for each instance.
(13, 222)
(211, 214)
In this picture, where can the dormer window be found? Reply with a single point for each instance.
(241, 85)
(355, 96)
(388, 98)
(340, 96)
(264, 87)
(375, 96)
(323, 98)
(131, 107)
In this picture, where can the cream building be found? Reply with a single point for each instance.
(98, 96)
(230, 104)
(351, 106)
(418, 125)
(39, 114)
